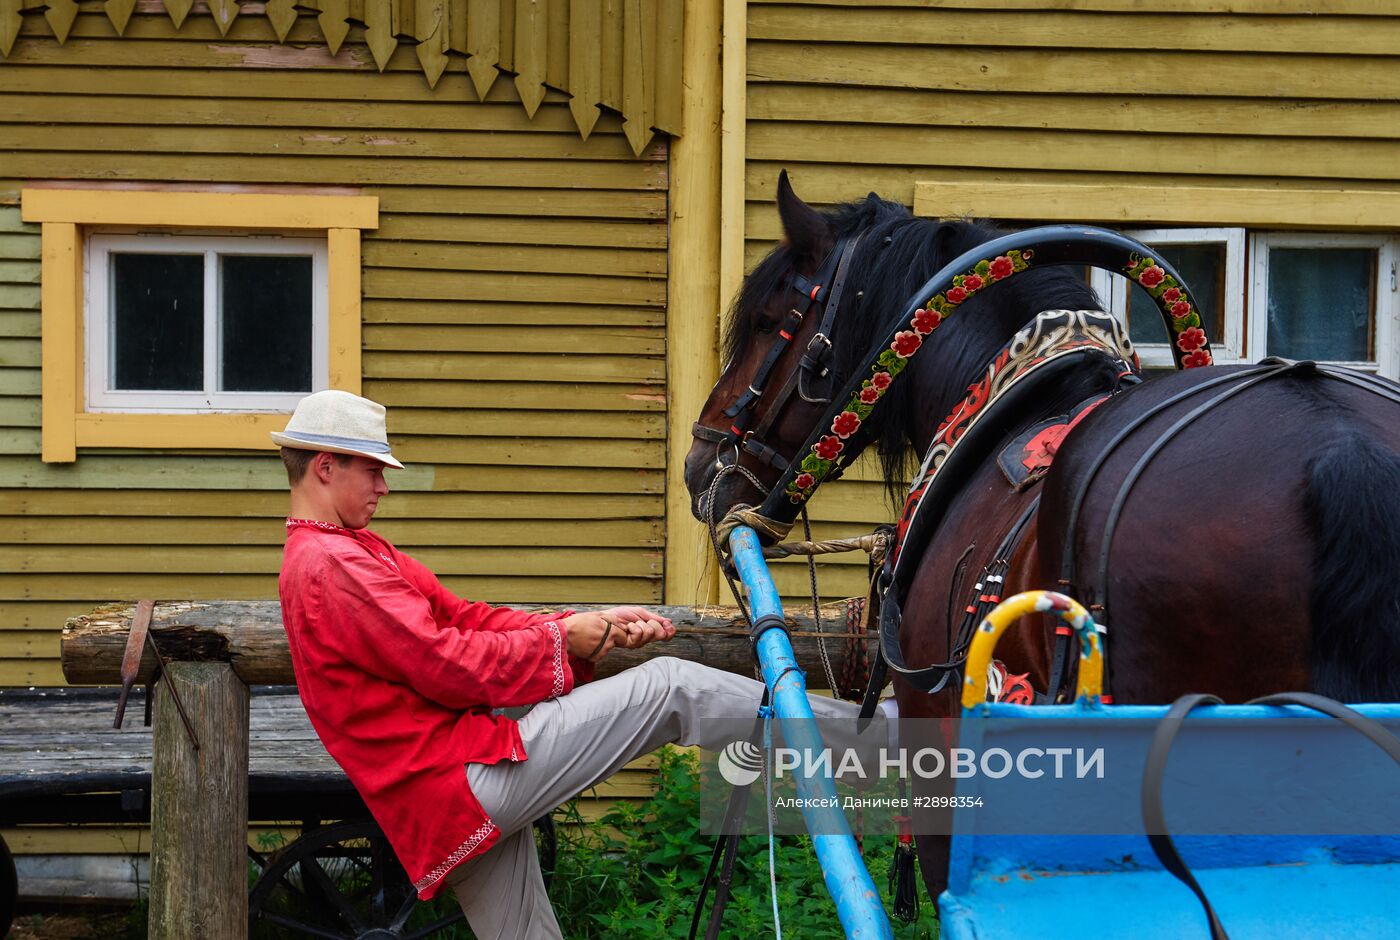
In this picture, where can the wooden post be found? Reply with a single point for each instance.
(199, 806)
(692, 296)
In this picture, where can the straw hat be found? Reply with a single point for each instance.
(340, 423)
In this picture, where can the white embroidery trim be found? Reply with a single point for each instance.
(462, 851)
(558, 658)
(324, 526)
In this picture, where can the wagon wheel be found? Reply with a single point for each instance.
(342, 881)
(9, 888)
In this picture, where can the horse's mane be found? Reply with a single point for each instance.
(897, 255)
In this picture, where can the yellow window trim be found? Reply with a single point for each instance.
(62, 215)
(1148, 204)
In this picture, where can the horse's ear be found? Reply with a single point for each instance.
(805, 230)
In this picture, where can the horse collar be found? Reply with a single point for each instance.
(1057, 337)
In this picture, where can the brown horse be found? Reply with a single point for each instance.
(1256, 550)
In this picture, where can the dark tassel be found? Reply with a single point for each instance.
(904, 888)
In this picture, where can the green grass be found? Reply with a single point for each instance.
(644, 882)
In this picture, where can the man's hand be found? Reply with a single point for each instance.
(590, 635)
(641, 626)
(593, 633)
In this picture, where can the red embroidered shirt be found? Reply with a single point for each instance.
(399, 677)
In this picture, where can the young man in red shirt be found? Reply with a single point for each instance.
(404, 683)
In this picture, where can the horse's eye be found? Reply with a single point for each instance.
(766, 326)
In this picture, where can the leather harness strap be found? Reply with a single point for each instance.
(1154, 818)
(1272, 367)
(935, 677)
(812, 367)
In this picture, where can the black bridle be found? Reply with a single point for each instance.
(811, 380)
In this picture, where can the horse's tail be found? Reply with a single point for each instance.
(1352, 502)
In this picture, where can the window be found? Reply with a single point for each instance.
(187, 323)
(192, 319)
(1323, 296)
(1211, 262)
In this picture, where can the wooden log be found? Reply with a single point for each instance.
(249, 636)
(199, 806)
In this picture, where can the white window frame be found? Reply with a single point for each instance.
(99, 353)
(1113, 290)
(1387, 248)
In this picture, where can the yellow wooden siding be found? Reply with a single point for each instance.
(514, 322)
(550, 44)
(1256, 95)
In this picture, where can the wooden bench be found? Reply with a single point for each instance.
(61, 761)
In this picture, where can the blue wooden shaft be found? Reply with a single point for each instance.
(857, 900)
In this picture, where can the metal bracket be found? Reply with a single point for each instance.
(136, 641)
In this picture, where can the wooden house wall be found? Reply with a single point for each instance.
(513, 321)
(852, 96)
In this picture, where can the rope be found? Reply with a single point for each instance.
(707, 507)
(747, 515)
(816, 610)
(767, 712)
(876, 544)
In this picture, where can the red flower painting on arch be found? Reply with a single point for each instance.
(829, 447)
(956, 295)
(881, 380)
(973, 282)
(1172, 294)
(1181, 309)
(1196, 359)
(1001, 267)
(1151, 277)
(804, 481)
(926, 321)
(869, 395)
(906, 343)
(846, 424)
(1191, 339)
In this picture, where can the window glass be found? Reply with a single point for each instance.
(266, 323)
(157, 321)
(1322, 303)
(1202, 267)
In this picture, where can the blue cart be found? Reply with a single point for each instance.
(1288, 821)
(1279, 820)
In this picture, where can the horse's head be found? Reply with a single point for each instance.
(802, 326)
(778, 378)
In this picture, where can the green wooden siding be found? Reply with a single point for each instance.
(513, 308)
(851, 97)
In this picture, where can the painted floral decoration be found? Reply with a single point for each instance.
(1175, 302)
(817, 465)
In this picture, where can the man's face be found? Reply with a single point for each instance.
(355, 489)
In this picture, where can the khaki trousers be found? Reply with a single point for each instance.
(580, 739)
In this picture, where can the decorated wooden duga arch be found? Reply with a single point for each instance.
(975, 271)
